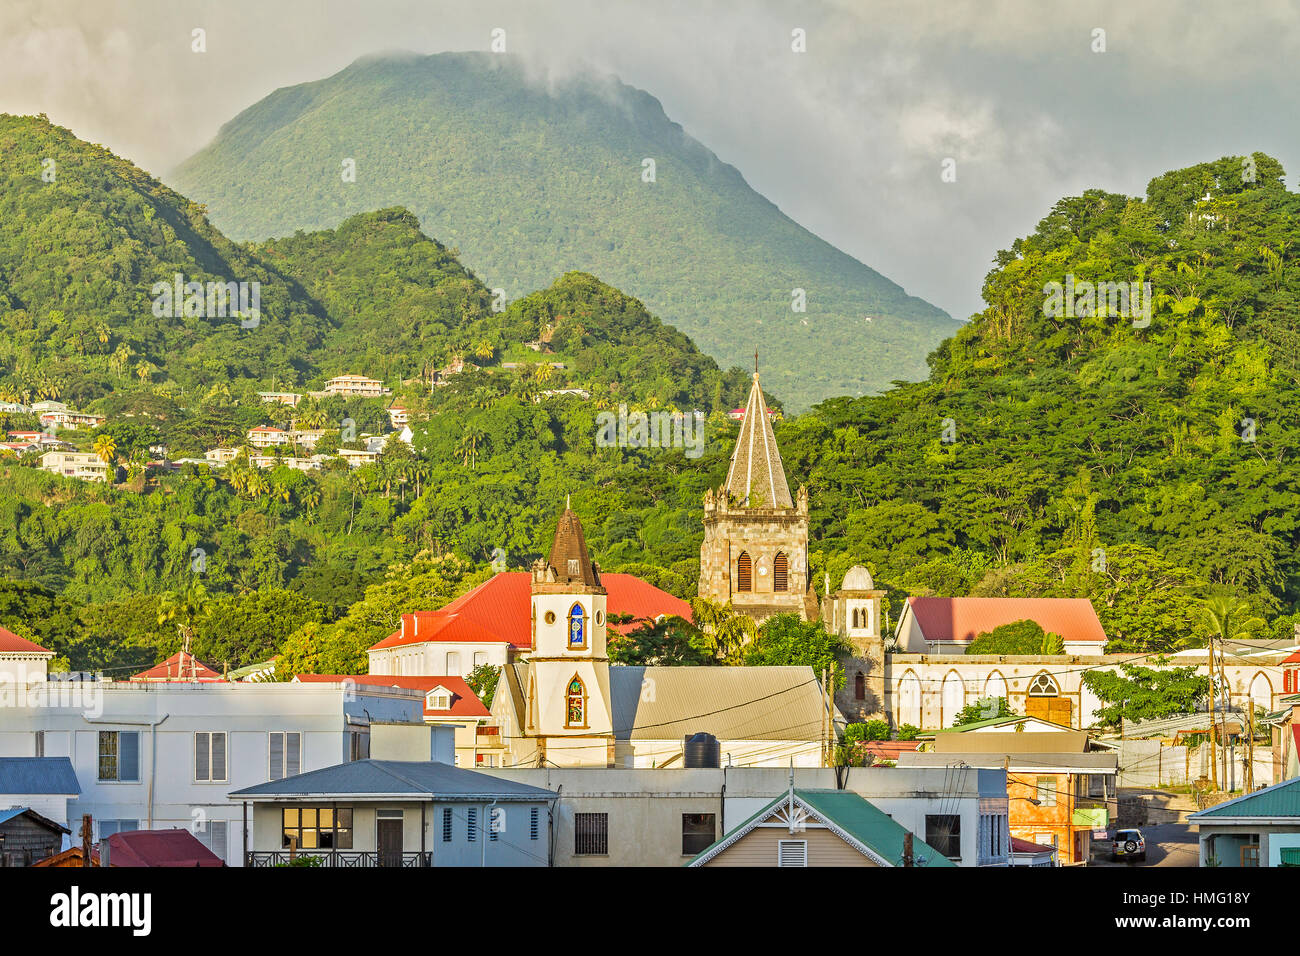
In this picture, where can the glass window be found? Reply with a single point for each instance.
(943, 832)
(119, 755)
(577, 628)
(699, 830)
(210, 757)
(575, 711)
(1045, 788)
(285, 754)
(317, 828)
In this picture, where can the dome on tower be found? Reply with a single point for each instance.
(858, 578)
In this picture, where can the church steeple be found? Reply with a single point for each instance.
(569, 562)
(756, 476)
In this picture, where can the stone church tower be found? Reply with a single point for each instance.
(853, 612)
(567, 705)
(755, 550)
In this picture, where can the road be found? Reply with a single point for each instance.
(1168, 844)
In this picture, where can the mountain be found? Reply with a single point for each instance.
(84, 237)
(530, 181)
(80, 256)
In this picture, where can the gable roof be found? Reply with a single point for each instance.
(1280, 801)
(11, 643)
(962, 619)
(849, 816)
(48, 775)
(179, 667)
(999, 722)
(500, 611)
(159, 848)
(732, 703)
(464, 702)
(39, 819)
(1293, 659)
(756, 470)
(395, 778)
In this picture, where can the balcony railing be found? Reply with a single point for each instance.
(341, 858)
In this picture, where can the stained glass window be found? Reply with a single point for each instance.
(575, 704)
(577, 626)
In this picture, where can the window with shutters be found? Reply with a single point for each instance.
(533, 823)
(591, 834)
(744, 572)
(358, 745)
(210, 757)
(285, 750)
(471, 824)
(119, 756)
(792, 853)
(496, 822)
(1045, 791)
(859, 687)
(214, 834)
(446, 824)
(780, 572)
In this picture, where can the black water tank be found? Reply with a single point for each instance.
(703, 750)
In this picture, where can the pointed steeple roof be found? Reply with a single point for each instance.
(756, 474)
(569, 557)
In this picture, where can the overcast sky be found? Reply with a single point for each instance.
(847, 138)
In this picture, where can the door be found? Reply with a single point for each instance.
(388, 841)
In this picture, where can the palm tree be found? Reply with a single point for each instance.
(187, 608)
(105, 448)
(468, 446)
(727, 630)
(483, 349)
(144, 370)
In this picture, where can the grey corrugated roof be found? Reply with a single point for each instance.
(38, 775)
(397, 777)
(7, 815)
(1071, 762)
(732, 703)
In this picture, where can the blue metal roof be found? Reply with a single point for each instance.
(425, 778)
(38, 775)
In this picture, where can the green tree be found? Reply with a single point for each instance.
(1145, 693)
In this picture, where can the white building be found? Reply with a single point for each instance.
(72, 464)
(160, 755)
(357, 385)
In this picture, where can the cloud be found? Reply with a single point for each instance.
(846, 138)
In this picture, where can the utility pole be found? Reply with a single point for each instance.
(85, 839)
(907, 849)
(1223, 682)
(1214, 754)
(1250, 744)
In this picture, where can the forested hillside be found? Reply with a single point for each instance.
(531, 180)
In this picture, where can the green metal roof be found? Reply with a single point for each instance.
(848, 814)
(1279, 800)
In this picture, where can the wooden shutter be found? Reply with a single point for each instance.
(202, 766)
(780, 572)
(219, 756)
(130, 755)
(277, 756)
(744, 572)
(292, 753)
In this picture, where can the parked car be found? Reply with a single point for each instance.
(1128, 844)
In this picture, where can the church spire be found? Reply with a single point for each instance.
(569, 560)
(756, 475)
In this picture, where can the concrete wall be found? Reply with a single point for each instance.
(166, 716)
(645, 807)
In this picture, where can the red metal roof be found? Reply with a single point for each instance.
(889, 749)
(1027, 846)
(174, 669)
(963, 619)
(159, 848)
(464, 702)
(500, 610)
(1293, 659)
(11, 643)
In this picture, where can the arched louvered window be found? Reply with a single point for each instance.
(780, 572)
(744, 572)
